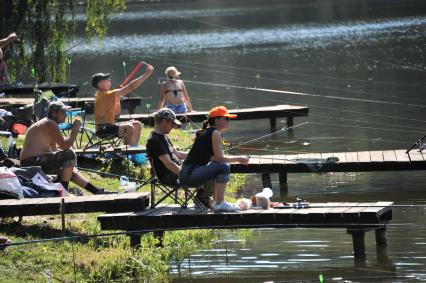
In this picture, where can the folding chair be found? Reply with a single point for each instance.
(171, 191)
(96, 140)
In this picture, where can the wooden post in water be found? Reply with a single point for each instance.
(358, 242)
(282, 179)
(273, 123)
(381, 236)
(266, 180)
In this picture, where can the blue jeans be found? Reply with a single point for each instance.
(199, 175)
(178, 108)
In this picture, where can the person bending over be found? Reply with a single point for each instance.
(206, 161)
(107, 106)
(41, 148)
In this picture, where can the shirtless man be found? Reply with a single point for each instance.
(173, 93)
(41, 148)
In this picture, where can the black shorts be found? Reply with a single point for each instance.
(107, 129)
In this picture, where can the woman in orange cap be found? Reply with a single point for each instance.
(206, 161)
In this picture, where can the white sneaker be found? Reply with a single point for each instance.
(224, 206)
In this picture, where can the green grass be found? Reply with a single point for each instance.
(103, 259)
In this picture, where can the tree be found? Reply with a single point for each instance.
(43, 27)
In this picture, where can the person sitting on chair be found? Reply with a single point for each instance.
(206, 161)
(40, 148)
(165, 158)
(107, 107)
(173, 93)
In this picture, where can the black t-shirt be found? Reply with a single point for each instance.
(202, 149)
(157, 145)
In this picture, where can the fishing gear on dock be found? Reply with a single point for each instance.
(418, 143)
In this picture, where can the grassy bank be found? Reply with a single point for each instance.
(87, 258)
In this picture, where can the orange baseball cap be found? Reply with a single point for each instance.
(221, 111)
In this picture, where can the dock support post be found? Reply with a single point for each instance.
(273, 123)
(135, 240)
(62, 210)
(266, 180)
(160, 236)
(381, 237)
(282, 178)
(358, 242)
(290, 122)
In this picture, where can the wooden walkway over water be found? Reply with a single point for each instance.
(78, 204)
(267, 112)
(356, 218)
(85, 103)
(361, 161)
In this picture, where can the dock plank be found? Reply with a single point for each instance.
(351, 157)
(401, 156)
(376, 156)
(389, 156)
(364, 156)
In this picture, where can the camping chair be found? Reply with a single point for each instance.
(173, 192)
(88, 138)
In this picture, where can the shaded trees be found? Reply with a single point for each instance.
(43, 26)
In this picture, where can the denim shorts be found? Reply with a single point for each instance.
(198, 175)
(178, 108)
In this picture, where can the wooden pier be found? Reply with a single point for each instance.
(361, 161)
(86, 103)
(78, 204)
(356, 218)
(267, 112)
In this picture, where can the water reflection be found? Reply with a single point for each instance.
(293, 36)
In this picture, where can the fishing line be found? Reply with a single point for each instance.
(267, 135)
(307, 94)
(364, 127)
(405, 67)
(287, 82)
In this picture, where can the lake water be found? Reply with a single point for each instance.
(360, 66)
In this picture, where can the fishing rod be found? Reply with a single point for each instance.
(144, 182)
(255, 226)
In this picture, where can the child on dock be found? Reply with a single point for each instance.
(206, 161)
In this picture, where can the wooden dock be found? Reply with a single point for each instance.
(79, 204)
(361, 161)
(356, 218)
(85, 103)
(267, 112)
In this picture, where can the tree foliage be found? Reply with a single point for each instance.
(43, 27)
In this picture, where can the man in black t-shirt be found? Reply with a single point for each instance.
(165, 158)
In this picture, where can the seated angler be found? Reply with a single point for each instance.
(206, 161)
(107, 106)
(165, 158)
(41, 148)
